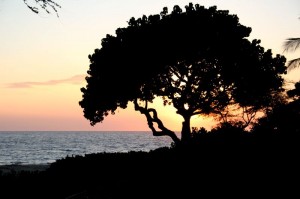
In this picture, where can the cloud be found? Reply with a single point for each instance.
(77, 79)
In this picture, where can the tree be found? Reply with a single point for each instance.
(199, 61)
(294, 93)
(43, 4)
(292, 44)
(283, 119)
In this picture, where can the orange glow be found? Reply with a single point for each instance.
(43, 58)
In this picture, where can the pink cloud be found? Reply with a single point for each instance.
(77, 79)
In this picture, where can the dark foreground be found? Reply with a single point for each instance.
(16, 168)
(216, 169)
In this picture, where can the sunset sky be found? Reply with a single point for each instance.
(44, 59)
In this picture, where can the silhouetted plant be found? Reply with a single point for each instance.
(295, 93)
(292, 44)
(199, 61)
(283, 119)
(45, 5)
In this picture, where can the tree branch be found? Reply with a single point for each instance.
(248, 116)
(177, 74)
(164, 131)
(44, 4)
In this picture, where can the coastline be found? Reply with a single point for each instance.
(19, 168)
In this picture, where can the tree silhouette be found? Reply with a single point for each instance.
(292, 44)
(283, 119)
(295, 93)
(199, 61)
(46, 5)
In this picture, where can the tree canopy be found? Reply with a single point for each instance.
(199, 61)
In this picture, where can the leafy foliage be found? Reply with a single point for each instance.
(283, 119)
(295, 93)
(199, 61)
(292, 44)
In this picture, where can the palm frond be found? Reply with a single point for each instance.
(294, 63)
(291, 44)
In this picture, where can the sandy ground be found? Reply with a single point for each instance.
(18, 168)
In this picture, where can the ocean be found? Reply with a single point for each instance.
(45, 147)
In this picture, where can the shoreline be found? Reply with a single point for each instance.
(19, 167)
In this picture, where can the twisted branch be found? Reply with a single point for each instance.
(154, 119)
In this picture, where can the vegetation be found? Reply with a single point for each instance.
(45, 5)
(215, 166)
(282, 120)
(292, 44)
(198, 61)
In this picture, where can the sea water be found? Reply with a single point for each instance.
(46, 147)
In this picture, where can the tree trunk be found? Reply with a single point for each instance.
(186, 129)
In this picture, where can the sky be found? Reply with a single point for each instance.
(44, 58)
